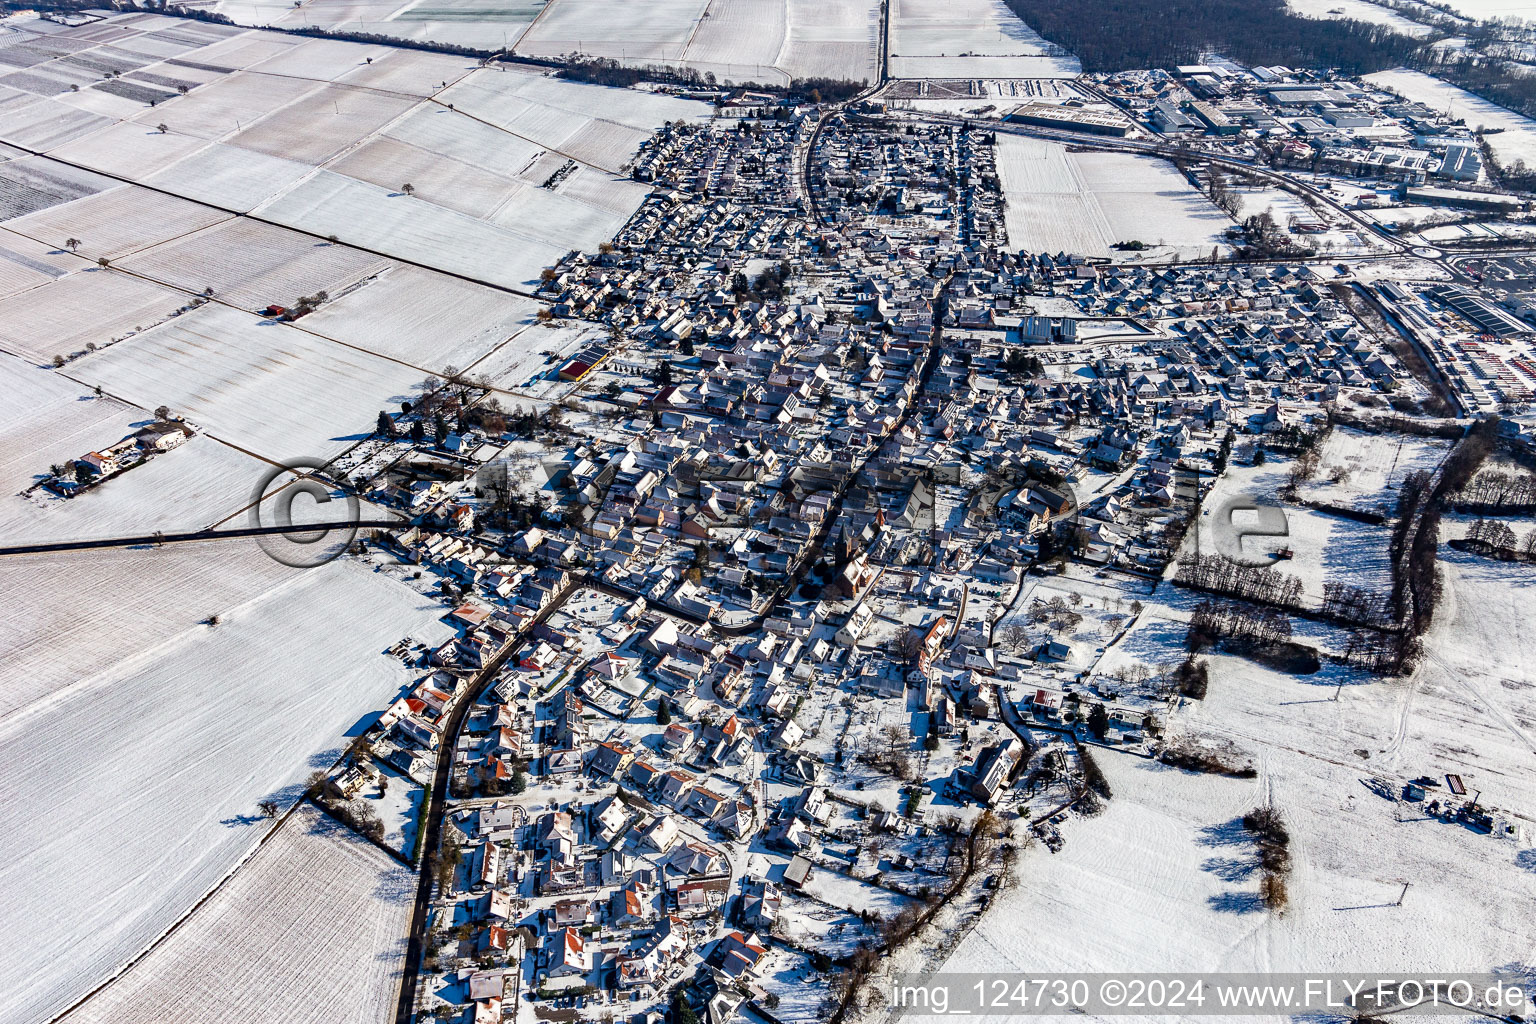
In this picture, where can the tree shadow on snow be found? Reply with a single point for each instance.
(1226, 833)
(1236, 903)
(1230, 869)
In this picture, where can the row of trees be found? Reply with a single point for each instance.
(1221, 574)
(1348, 603)
(1211, 621)
(1501, 537)
(1494, 489)
(1113, 35)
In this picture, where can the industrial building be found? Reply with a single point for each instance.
(1072, 119)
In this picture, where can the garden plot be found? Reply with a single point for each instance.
(323, 123)
(298, 670)
(423, 318)
(412, 229)
(89, 307)
(657, 31)
(117, 222)
(970, 39)
(1516, 142)
(251, 264)
(309, 931)
(34, 183)
(267, 387)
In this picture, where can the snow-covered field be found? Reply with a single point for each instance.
(1165, 879)
(133, 792)
(323, 136)
(423, 318)
(655, 31)
(310, 930)
(269, 388)
(1086, 202)
(1358, 10)
(90, 306)
(1516, 142)
(970, 39)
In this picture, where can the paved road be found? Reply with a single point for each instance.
(431, 815)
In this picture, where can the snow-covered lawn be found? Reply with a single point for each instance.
(134, 792)
(310, 930)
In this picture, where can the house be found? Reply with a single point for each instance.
(736, 956)
(786, 735)
(760, 906)
(609, 760)
(695, 858)
(677, 740)
(859, 621)
(567, 954)
(660, 834)
(571, 913)
(798, 872)
(608, 818)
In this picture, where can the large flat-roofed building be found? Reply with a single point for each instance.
(1167, 117)
(1217, 122)
(1465, 198)
(1072, 119)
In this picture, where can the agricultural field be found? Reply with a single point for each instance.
(1086, 202)
(310, 930)
(423, 318)
(89, 307)
(266, 387)
(300, 668)
(51, 420)
(970, 39)
(252, 265)
(474, 23)
(1359, 10)
(116, 223)
(323, 136)
(659, 31)
(1166, 879)
(1517, 141)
